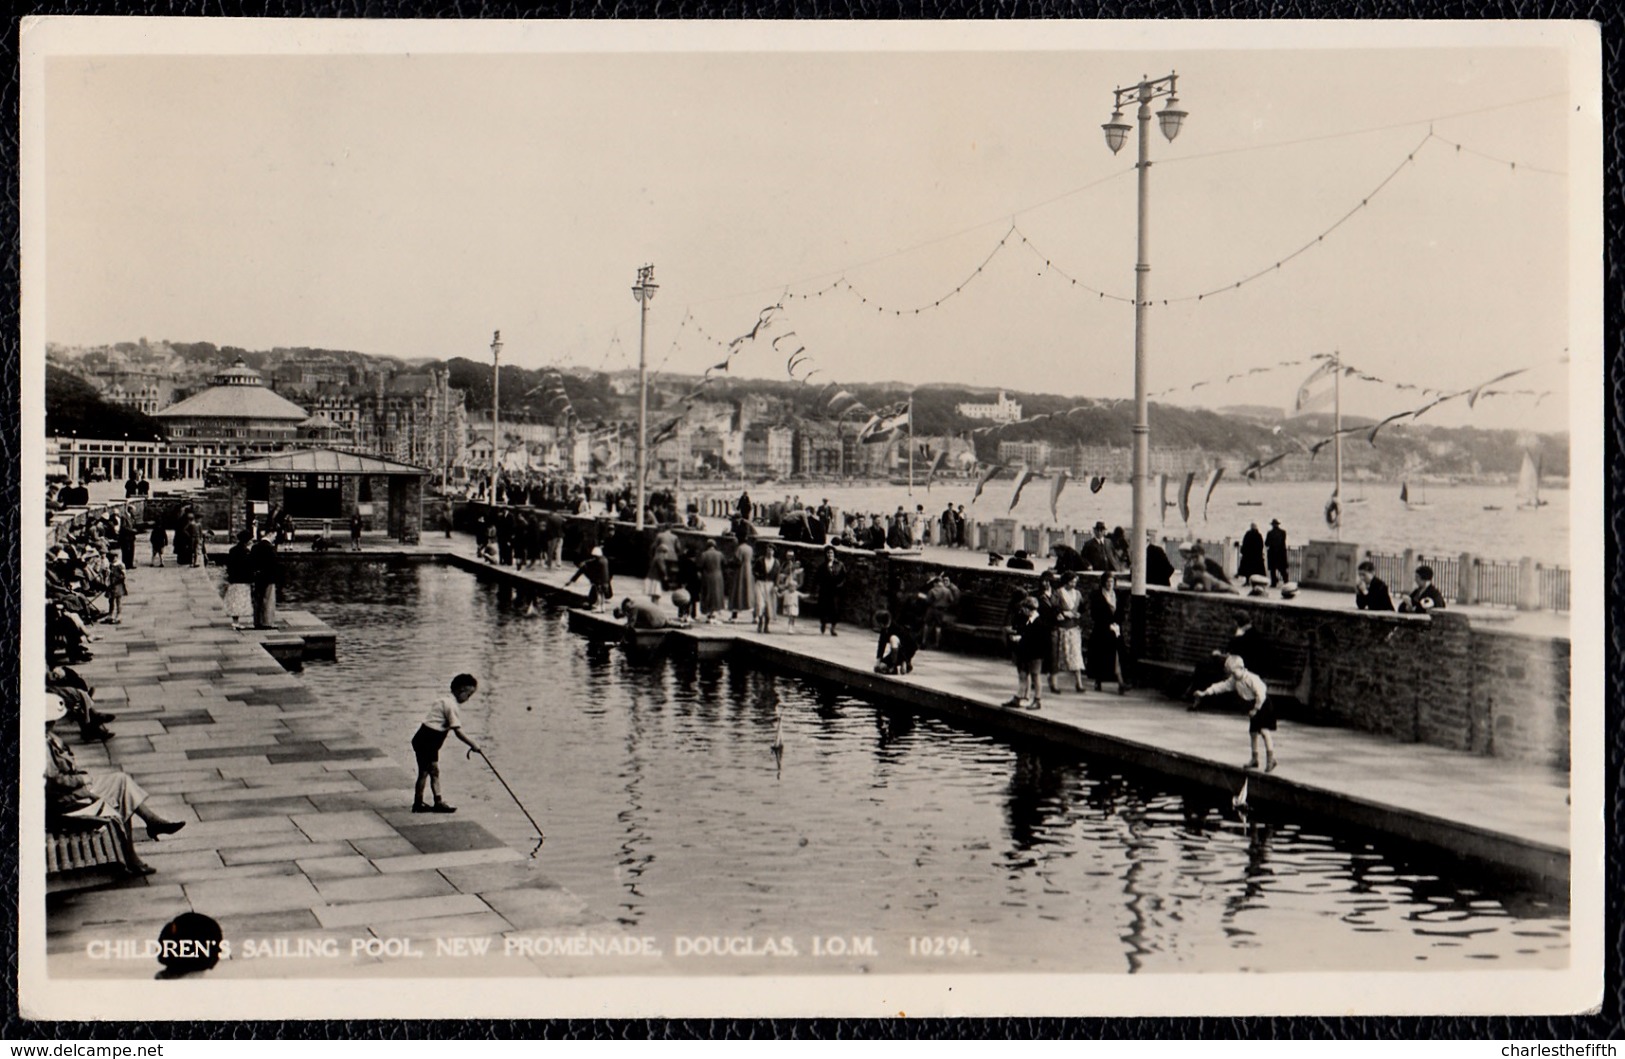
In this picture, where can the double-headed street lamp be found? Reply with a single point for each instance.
(644, 292)
(496, 411)
(1117, 130)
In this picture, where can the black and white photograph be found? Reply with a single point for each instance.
(715, 519)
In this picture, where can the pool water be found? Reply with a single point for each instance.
(667, 809)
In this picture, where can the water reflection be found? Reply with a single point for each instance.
(667, 807)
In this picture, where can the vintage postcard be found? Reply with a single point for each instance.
(759, 519)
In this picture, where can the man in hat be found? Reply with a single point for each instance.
(1275, 553)
(1019, 561)
(1097, 551)
(71, 793)
(1200, 575)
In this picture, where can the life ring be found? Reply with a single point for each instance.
(1334, 513)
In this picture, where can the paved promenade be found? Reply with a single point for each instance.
(1501, 811)
(297, 831)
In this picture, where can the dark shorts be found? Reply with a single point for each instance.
(426, 744)
(1263, 719)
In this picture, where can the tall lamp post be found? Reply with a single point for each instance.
(644, 292)
(496, 411)
(1117, 130)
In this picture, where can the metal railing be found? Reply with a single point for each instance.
(1554, 587)
(1495, 583)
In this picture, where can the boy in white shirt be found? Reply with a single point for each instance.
(1249, 688)
(431, 735)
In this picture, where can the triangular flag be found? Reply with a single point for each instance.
(1055, 492)
(1022, 479)
(1212, 484)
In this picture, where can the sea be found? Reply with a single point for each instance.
(1439, 519)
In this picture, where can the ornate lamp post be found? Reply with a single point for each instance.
(644, 292)
(1117, 130)
(496, 411)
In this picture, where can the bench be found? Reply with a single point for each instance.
(80, 854)
(1285, 672)
(981, 624)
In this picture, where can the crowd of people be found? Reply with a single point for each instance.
(87, 577)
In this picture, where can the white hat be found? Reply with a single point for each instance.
(55, 708)
(1289, 590)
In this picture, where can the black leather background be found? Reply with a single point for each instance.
(1606, 1024)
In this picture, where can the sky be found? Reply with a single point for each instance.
(409, 201)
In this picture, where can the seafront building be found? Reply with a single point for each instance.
(1002, 410)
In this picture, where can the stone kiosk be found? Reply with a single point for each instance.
(330, 485)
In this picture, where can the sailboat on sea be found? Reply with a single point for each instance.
(1528, 494)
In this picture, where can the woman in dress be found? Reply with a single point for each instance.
(743, 594)
(713, 596)
(240, 581)
(1105, 634)
(1068, 631)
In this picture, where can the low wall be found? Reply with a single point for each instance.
(1432, 679)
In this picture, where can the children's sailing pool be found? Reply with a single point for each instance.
(666, 810)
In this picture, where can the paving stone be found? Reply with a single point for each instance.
(384, 887)
(515, 875)
(330, 803)
(365, 912)
(130, 902)
(266, 807)
(183, 718)
(474, 925)
(449, 837)
(221, 873)
(390, 778)
(258, 751)
(354, 824)
(294, 851)
(244, 896)
(259, 924)
(168, 863)
(323, 754)
(189, 783)
(348, 866)
(531, 908)
(426, 861)
(381, 848)
(286, 790)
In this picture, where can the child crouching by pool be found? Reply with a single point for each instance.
(1249, 688)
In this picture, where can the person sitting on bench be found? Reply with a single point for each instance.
(71, 794)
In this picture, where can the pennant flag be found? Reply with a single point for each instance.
(1373, 436)
(883, 424)
(1472, 398)
(1441, 399)
(845, 399)
(1055, 492)
(1314, 393)
(1404, 492)
(1099, 480)
(1185, 496)
(668, 430)
(1212, 484)
(992, 472)
(1026, 475)
(936, 465)
(1162, 485)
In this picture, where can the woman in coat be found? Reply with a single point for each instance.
(742, 593)
(829, 579)
(713, 596)
(1105, 634)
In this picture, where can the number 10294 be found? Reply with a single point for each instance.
(940, 946)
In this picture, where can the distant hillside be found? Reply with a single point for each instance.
(1244, 431)
(72, 406)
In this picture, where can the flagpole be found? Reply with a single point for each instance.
(1337, 442)
(910, 444)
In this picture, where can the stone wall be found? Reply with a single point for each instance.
(1432, 679)
(1521, 694)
